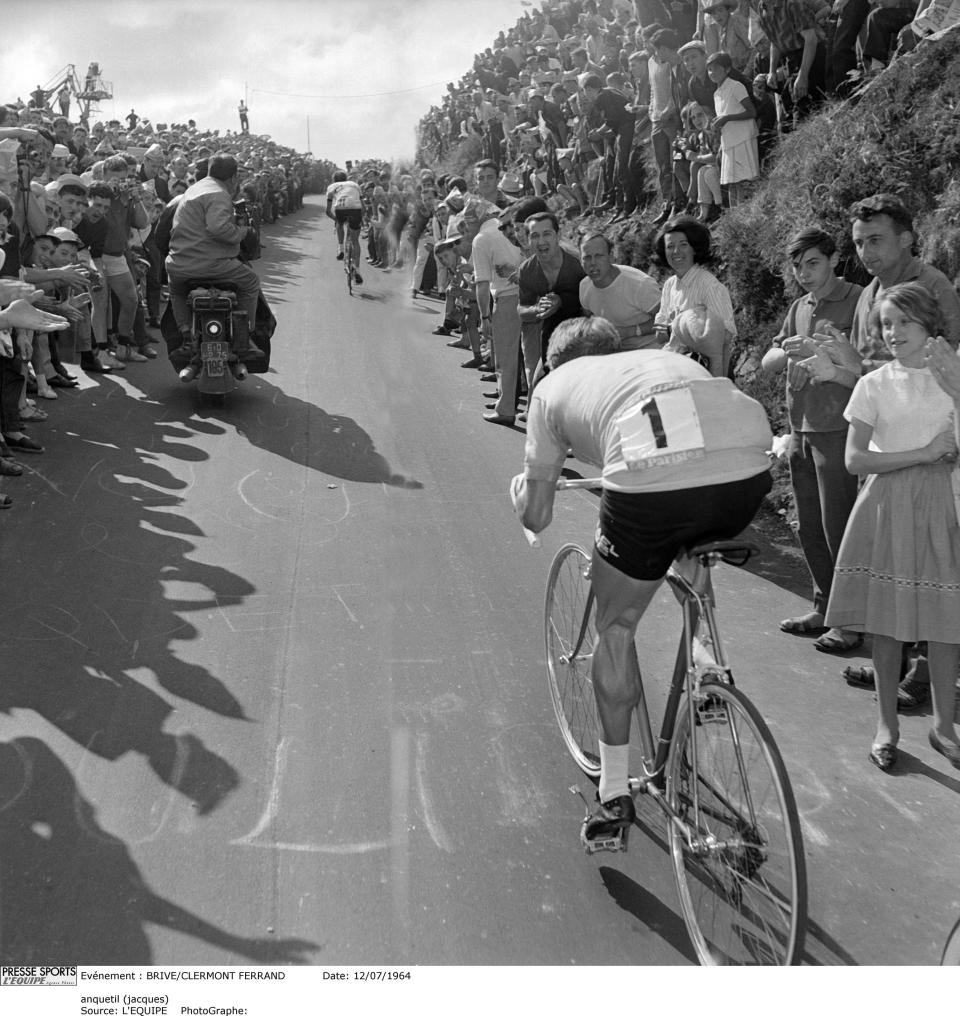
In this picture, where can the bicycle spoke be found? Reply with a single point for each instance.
(743, 888)
(569, 634)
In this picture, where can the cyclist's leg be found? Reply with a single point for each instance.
(339, 236)
(615, 671)
(621, 602)
(353, 238)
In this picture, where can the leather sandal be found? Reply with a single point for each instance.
(862, 677)
(912, 694)
(836, 640)
(808, 624)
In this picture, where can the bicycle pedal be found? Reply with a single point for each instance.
(711, 713)
(617, 843)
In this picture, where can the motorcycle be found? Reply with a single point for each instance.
(222, 347)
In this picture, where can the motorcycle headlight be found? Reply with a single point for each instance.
(214, 328)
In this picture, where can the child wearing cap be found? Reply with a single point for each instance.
(42, 347)
(727, 31)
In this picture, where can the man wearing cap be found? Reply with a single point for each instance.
(727, 31)
(153, 169)
(495, 259)
(56, 164)
(71, 197)
(693, 56)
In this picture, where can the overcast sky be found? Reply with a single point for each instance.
(173, 60)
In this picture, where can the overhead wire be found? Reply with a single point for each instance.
(367, 95)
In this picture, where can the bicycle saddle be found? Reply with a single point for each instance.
(735, 552)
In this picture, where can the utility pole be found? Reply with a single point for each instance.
(309, 149)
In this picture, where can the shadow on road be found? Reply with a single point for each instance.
(102, 583)
(99, 553)
(820, 947)
(284, 250)
(295, 430)
(69, 888)
(649, 910)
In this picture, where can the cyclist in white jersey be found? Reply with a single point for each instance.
(345, 207)
(683, 459)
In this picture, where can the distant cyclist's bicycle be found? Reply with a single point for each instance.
(714, 771)
(348, 264)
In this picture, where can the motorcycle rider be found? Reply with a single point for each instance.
(205, 246)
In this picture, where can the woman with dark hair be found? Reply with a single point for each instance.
(696, 313)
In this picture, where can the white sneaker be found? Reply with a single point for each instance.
(44, 390)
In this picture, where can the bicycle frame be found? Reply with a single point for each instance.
(690, 580)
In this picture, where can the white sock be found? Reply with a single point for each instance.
(613, 770)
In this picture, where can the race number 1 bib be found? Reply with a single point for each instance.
(661, 429)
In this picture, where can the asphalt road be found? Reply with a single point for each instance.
(273, 687)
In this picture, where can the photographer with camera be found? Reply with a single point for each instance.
(28, 198)
(205, 242)
(126, 212)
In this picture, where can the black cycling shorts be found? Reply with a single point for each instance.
(353, 217)
(641, 534)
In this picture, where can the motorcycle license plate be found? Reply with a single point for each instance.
(214, 356)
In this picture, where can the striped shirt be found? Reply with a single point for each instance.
(697, 288)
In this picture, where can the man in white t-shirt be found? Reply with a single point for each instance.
(627, 297)
(495, 262)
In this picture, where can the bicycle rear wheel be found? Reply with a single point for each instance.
(349, 271)
(570, 631)
(743, 889)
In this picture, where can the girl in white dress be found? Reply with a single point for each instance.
(898, 569)
(736, 113)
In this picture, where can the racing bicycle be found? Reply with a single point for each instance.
(348, 264)
(715, 771)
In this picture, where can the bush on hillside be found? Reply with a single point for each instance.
(902, 136)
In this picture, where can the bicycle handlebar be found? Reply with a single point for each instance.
(591, 483)
(587, 483)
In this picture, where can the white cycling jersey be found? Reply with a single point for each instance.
(345, 194)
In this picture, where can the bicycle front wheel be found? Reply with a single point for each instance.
(570, 629)
(742, 880)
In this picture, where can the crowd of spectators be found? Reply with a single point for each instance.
(610, 104)
(80, 208)
(701, 98)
